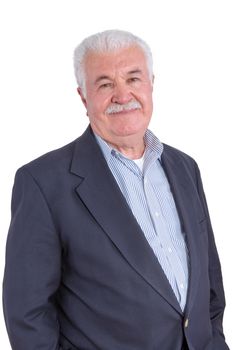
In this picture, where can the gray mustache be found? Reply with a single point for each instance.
(117, 108)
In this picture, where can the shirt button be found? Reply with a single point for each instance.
(186, 323)
(156, 214)
(181, 286)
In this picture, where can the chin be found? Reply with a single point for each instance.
(130, 126)
(129, 131)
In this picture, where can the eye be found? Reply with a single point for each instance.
(133, 80)
(105, 85)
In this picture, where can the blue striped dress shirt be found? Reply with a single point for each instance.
(148, 194)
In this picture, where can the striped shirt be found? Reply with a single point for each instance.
(147, 192)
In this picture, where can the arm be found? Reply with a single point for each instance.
(217, 298)
(32, 271)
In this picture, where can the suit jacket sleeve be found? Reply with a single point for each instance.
(32, 272)
(217, 298)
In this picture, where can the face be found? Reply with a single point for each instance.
(119, 80)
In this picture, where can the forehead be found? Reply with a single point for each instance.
(124, 60)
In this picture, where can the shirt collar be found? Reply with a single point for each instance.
(154, 148)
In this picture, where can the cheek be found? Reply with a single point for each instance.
(96, 109)
(149, 100)
(98, 104)
(144, 94)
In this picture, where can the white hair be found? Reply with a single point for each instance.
(107, 41)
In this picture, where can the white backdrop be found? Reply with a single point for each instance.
(193, 49)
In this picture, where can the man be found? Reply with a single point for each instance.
(110, 245)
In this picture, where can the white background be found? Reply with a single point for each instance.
(40, 109)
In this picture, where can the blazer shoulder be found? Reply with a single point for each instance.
(58, 159)
(180, 156)
(51, 162)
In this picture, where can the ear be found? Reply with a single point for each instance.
(84, 101)
(152, 82)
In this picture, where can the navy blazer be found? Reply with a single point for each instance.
(81, 275)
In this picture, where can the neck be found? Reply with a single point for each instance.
(130, 151)
(131, 146)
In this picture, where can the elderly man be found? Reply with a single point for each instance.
(110, 246)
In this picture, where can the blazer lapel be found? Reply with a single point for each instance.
(99, 191)
(185, 196)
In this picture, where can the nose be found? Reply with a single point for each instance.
(121, 94)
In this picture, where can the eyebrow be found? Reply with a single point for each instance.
(135, 71)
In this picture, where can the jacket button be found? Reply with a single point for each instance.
(186, 323)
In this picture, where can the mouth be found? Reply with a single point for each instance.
(124, 111)
(129, 107)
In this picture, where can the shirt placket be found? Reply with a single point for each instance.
(164, 241)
